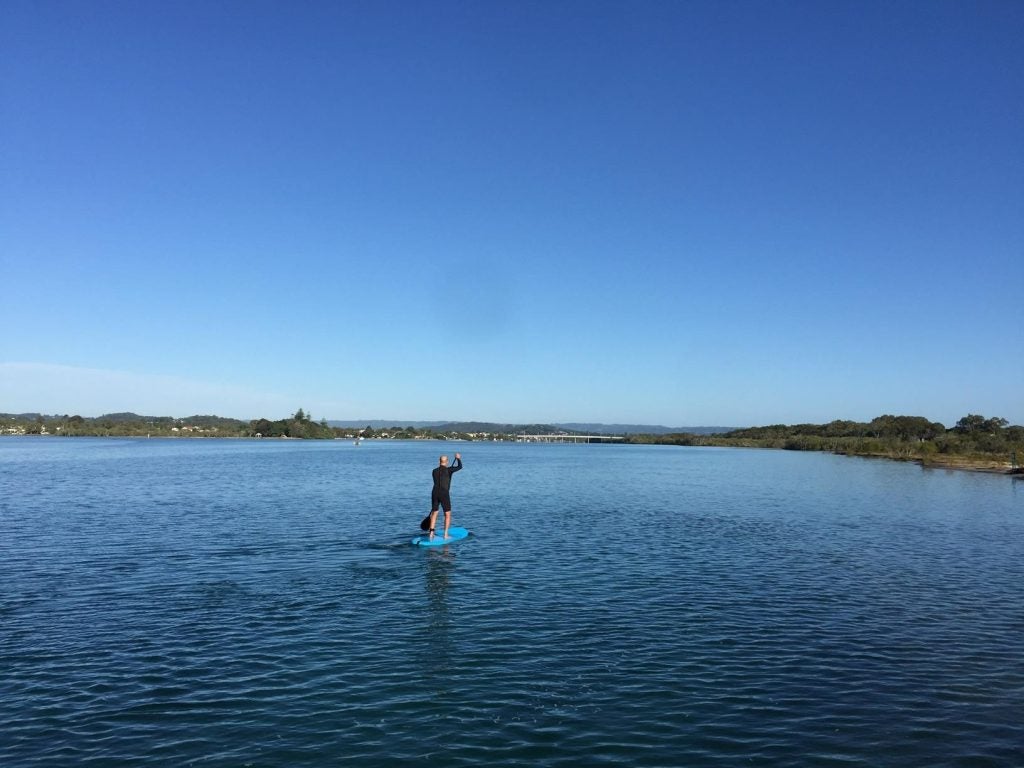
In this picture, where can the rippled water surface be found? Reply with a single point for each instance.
(233, 603)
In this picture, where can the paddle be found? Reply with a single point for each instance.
(425, 523)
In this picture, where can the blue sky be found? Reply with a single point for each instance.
(681, 213)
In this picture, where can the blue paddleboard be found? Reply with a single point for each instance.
(454, 534)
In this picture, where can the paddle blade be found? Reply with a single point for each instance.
(425, 523)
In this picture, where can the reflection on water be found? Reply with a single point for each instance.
(440, 565)
(439, 569)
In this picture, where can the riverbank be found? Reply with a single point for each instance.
(989, 465)
(923, 454)
(972, 465)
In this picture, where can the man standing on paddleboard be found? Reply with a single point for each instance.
(439, 495)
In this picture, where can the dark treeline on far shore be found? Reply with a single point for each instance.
(300, 425)
(974, 440)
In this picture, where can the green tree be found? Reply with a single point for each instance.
(969, 423)
(993, 426)
(263, 427)
(974, 423)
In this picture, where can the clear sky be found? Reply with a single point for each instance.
(681, 213)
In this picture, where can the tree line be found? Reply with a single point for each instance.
(904, 437)
(300, 425)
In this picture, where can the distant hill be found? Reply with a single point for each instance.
(195, 420)
(128, 417)
(487, 426)
(443, 426)
(642, 429)
(381, 423)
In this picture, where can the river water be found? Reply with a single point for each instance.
(235, 603)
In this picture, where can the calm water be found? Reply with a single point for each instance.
(229, 603)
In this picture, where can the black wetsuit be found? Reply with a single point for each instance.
(442, 482)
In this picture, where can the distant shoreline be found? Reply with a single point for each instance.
(949, 463)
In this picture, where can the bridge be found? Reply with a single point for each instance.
(569, 438)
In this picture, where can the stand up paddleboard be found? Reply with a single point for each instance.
(454, 534)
